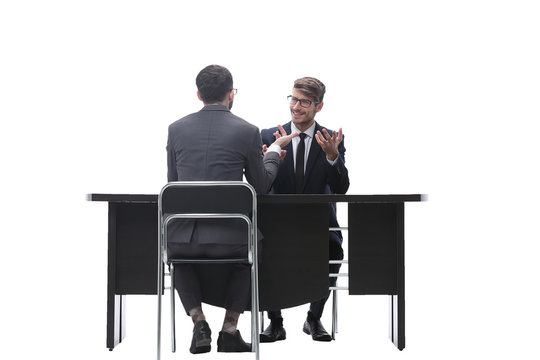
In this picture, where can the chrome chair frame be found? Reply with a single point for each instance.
(334, 289)
(250, 259)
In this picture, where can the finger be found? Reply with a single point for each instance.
(324, 138)
(264, 148)
(326, 134)
(340, 135)
(282, 130)
(318, 137)
(277, 135)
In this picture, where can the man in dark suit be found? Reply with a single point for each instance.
(214, 144)
(314, 164)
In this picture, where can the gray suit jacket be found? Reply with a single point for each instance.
(215, 145)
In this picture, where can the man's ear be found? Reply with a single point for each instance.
(199, 96)
(319, 106)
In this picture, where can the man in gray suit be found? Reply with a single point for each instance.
(214, 144)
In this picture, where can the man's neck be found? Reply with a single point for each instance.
(304, 126)
(304, 129)
(226, 104)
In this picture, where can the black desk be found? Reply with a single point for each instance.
(376, 251)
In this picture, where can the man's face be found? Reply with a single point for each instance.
(303, 117)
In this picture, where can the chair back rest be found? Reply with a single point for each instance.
(184, 197)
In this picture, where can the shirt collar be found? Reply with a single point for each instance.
(309, 131)
(215, 107)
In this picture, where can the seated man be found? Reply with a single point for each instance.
(314, 164)
(214, 144)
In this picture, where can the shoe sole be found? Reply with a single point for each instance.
(232, 350)
(270, 340)
(201, 347)
(321, 339)
(267, 340)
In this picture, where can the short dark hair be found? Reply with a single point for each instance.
(311, 87)
(213, 83)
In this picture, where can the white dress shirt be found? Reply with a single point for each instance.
(310, 132)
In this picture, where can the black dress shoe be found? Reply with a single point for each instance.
(228, 342)
(274, 332)
(201, 338)
(315, 328)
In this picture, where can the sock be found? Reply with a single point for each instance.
(230, 322)
(197, 314)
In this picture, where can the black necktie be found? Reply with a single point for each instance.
(299, 172)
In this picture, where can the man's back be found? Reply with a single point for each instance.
(214, 144)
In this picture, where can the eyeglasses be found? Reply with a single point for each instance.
(235, 91)
(305, 103)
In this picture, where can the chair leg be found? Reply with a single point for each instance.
(173, 327)
(334, 314)
(159, 290)
(255, 309)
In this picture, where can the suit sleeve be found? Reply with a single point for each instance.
(172, 173)
(260, 170)
(338, 179)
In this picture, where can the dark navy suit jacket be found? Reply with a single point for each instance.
(320, 176)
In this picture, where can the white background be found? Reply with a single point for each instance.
(434, 97)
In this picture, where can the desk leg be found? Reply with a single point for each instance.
(116, 319)
(116, 314)
(396, 327)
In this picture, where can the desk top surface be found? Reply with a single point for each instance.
(277, 198)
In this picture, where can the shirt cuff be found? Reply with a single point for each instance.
(332, 162)
(274, 148)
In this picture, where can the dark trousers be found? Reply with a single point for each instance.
(335, 252)
(187, 283)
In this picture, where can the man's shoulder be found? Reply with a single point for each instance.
(272, 130)
(182, 120)
(269, 130)
(319, 127)
(240, 121)
(226, 121)
(206, 114)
